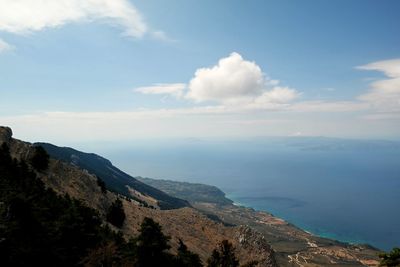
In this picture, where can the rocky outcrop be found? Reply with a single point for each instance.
(256, 242)
(5, 134)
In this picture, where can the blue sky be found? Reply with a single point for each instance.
(120, 70)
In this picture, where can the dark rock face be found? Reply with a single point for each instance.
(5, 134)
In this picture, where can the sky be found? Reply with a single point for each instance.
(118, 70)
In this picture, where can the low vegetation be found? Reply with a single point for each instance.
(391, 259)
(102, 185)
(40, 159)
(116, 214)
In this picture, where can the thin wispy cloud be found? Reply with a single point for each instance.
(384, 94)
(4, 46)
(174, 89)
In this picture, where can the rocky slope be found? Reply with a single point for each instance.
(199, 233)
(115, 179)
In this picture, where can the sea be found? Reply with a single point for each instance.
(344, 189)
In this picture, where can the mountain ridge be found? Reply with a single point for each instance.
(115, 179)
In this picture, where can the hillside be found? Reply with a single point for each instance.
(197, 231)
(189, 191)
(115, 179)
(293, 246)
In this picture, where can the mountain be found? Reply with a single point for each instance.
(199, 233)
(115, 179)
(192, 192)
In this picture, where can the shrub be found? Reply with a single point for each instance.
(116, 214)
(102, 185)
(152, 245)
(40, 159)
(390, 259)
(223, 256)
(186, 258)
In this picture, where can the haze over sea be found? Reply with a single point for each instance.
(343, 189)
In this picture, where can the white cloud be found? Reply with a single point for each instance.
(280, 95)
(4, 46)
(231, 79)
(390, 68)
(174, 89)
(26, 16)
(233, 83)
(236, 85)
(384, 95)
(162, 36)
(328, 106)
(213, 121)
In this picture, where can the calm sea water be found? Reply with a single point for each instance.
(344, 189)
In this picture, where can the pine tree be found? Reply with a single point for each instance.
(40, 159)
(223, 256)
(116, 214)
(152, 245)
(186, 258)
(391, 259)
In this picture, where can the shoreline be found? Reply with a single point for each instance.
(293, 246)
(327, 235)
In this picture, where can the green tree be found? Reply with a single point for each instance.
(39, 227)
(390, 259)
(40, 159)
(102, 185)
(186, 258)
(152, 245)
(116, 214)
(223, 256)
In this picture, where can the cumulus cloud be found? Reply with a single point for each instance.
(236, 85)
(384, 94)
(26, 16)
(232, 78)
(174, 89)
(236, 81)
(233, 82)
(4, 46)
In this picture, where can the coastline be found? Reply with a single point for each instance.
(307, 229)
(293, 246)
